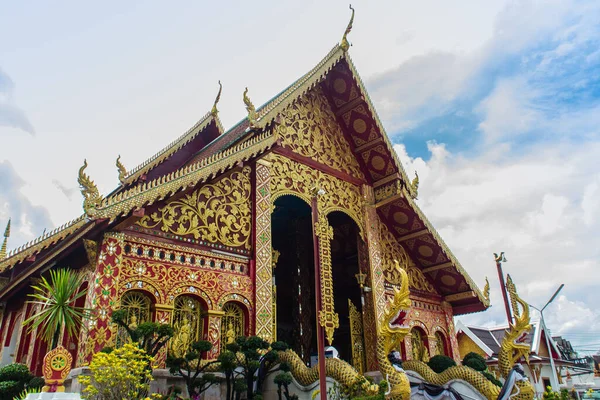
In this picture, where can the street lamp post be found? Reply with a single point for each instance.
(554, 381)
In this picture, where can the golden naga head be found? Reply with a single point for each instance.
(252, 114)
(518, 331)
(395, 325)
(121, 169)
(214, 110)
(89, 190)
(345, 45)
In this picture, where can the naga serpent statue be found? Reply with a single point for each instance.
(391, 332)
(512, 349)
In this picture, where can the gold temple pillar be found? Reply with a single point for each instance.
(103, 299)
(375, 299)
(213, 333)
(328, 318)
(164, 315)
(263, 245)
(452, 340)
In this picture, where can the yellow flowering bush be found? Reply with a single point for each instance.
(119, 375)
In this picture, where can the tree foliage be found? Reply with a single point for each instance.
(57, 298)
(150, 336)
(14, 379)
(192, 369)
(120, 374)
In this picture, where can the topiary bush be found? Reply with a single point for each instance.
(14, 378)
(10, 389)
(440, 363)
(37, 382)
(475, 361)
(15, 372)
(490, 377)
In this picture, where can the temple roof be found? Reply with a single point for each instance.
(193, 158)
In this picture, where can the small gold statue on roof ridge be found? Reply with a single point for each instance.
(345, 45)
(121, 169)
(214, 110)
(486, 290)
(89, 190)
(415, 185)
(252, 115)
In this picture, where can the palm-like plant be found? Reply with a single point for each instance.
(57, 298)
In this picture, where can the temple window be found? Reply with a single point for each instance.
(440, 344)
(418, 343)
(188, 324)
(232, 323)
(138, 306)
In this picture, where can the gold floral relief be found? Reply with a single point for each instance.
(290, 177)
(309, 127)
(392, 250)
(218, 212)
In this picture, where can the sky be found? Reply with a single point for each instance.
(496, 104)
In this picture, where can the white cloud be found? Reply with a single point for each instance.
(529, 207)
(590, 203)
(508, 111)
(10, 115)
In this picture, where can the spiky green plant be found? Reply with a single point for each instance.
(57, 299)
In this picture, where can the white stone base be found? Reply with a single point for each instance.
(53, 396)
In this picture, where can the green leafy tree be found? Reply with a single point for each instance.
(57, 298)
(228, 363)
(248, 350)
(192, 369)
(283, 380)
(16, 378)
(270, 363)
(150, 336)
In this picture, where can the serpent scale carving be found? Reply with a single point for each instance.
(512, 349)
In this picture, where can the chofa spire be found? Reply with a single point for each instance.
(345, 45)
(89, 190)
(121, 169)
(5, 242)
(214, 110)
(252, 115)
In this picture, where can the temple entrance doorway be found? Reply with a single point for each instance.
(348, 339)
(294, 279)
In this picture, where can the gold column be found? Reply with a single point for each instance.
(328, 318)
(164, 315)
(213, 334)
(375, 299)
(263, 245)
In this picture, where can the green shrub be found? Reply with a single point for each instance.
(490, 377)
(10, 389)
(440, 363)
(475, 361)
(36, 382)
(15, 372)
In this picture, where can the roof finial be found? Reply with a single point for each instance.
(214, 110)
(89, 190)
(345, 45)
(486, 290)
(251, 110)
(121, 169)
(5, 242)
(415, 185)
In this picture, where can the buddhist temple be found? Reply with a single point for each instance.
(286, 226)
